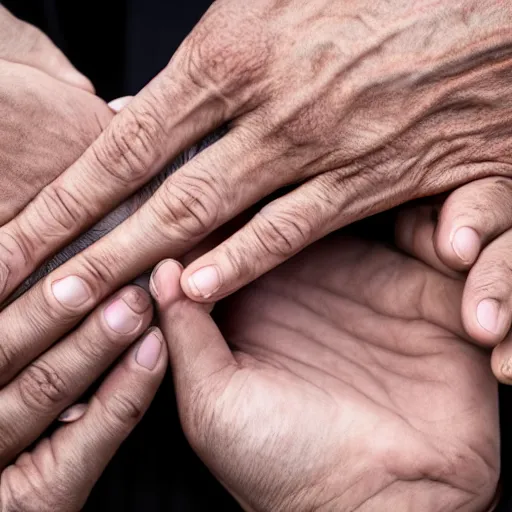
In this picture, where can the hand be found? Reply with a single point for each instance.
(45, 125)
(346, 385)
(59, 472)
(25, 44)
(363, 105)
(48, 116)
(471, 231)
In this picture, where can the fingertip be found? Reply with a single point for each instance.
(466, 245)
(501, 363)
(201, 284)
(73, 413)
(164, 283)
(151, 350)
(487, 322)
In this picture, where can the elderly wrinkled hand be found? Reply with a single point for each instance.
(339, 381)
(359, 105)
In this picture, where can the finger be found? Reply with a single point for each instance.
(197, 349)
(415, 229)
(51, 383)
(501, 361)
(472, 216)
(60, 473)
(487, 299)
(188, 203)
(184, 209)
(25, 44)
(279, 231)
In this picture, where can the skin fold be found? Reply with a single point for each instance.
(360, 106)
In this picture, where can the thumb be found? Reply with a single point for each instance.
(25, 44)
(197, 349)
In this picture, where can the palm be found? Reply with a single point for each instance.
(355, 388)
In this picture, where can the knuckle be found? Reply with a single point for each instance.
(27, 490)
(492, 277)
(488, 205)
(121, 412)
(281, 234)
(98, 270)
(58, 212)
(226, 61)
(92, 347)
(15, 258)
(42, 388)
(127, 152)
(187, 206)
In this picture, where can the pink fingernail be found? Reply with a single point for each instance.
(149, 351)
(466, 244)
(488, 315)
(71, 291)
(119, 103)
(205, 281)
(74, 413)
(125, 314)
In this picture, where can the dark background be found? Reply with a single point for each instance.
(120, 45)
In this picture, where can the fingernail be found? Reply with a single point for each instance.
(466, 244)
(124, 315)
(119, 103)
(149, 351)
(158, 281)
(205, 281)
(71, 291)
(488, 314)
(506, 368)
(74, 413)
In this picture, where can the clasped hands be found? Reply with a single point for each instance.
(368, 384)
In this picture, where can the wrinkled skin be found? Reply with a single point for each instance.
(349, 386)
(361, 105)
